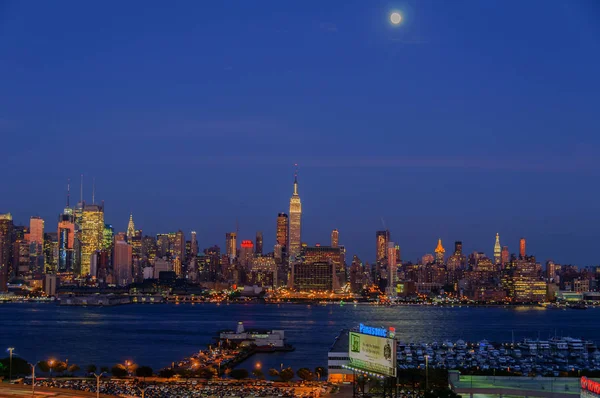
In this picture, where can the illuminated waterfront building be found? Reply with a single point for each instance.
(50, 252)
(522, 248)
(122, 255)
(382, 239)
(295, 230)
(318, 276)
(317, 254)
(66, 241)
(440, 252)
(497, 250)
(246, 253)
(92, 234)
(335, 238)
(259, 243)
(231, 244)
(136, 243)
(282, 231)
(130, 228)
(263, 271)
(505, 256)
(149, 249)
(6, 231)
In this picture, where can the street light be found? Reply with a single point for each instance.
(426, 372)
(98, 384)
(50, 363)
(33, 379)
(10, 350)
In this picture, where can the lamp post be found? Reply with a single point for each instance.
(98, 383)
(33, 378)
(50, 363)
(10, 350)
(426, 372)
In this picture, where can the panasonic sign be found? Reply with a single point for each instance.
(379, 332)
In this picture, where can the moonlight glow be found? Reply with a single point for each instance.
(396, 18)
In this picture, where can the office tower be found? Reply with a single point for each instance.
(179, 248)
(497, 250)
(259, 243)
(282, 232)
(6, 232)
(318, 276)
(440, 252)
(522, 247)
(36, 230)
(92, 234)
(66, 241)
(108, 237)
(20, 252)
(162, 245)
(194, 245)
(123, 253)
(295, 232)
(50, 252)
(278, 253)
(231, 244)
(505, 255)
(263, 271)
(458, 247)
(246, 253)
(335, 238)
(149, 248)
(382, 237)
(136, 243)
(130, 228)
(392, 268)
(550, 270)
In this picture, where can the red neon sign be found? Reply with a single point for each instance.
(590, 385)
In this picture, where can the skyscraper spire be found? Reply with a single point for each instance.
(81, 190)
(440, 252)
(295, 242)
(94, 190)
(130, 228)
(68, 191)
(497, 250)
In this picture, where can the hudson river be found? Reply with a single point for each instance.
(156, 335)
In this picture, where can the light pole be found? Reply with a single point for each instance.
(10, 350)
(143, 390)
(426, 372)
(33, 378)
(98, 383)
(50, 363)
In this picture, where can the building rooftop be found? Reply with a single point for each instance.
(340, 343)
(560, 386)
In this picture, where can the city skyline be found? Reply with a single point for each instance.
(452, 124)
(517, 248)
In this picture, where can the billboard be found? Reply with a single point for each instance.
(372, 353)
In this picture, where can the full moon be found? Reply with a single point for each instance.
(395, 18)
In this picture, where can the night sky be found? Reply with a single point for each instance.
(469, 118)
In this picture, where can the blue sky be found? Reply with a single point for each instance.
(470, 118)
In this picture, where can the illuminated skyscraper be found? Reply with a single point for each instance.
(92, 234)
(335, 238)
(108, 237)
(36, 230)
(130, 228)
(66, 237)
(246, 253)
(383, 237)
(259, 243)
(295, 239)
(522, 248)
(505, 255)
(282, 231)
(179, 246)
(6, 227)
(440, 252)
(497, 251)
(231, 244)
(392, 268)
(122, 262)
(194, 245)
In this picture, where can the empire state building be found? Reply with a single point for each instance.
(295, 243)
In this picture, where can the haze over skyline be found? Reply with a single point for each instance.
(192, 115)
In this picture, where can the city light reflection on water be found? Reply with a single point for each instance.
(157, 335)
